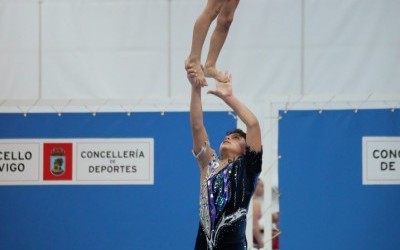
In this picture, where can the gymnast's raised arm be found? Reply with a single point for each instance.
(224, 91)
(201, 148)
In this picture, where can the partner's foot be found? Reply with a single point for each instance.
(216, 74)
(200, 78)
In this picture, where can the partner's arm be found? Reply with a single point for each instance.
(253, 137)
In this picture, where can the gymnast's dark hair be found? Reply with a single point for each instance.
(237, 131)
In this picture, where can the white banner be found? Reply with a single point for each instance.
(381, 160)
(108, 161)
(19, 162)
(76, 161)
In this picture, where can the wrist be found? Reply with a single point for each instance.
(228, 98)
(196, 88)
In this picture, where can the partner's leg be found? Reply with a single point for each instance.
(200, 30)
(218, 38)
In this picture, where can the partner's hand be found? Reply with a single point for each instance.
(223, 89)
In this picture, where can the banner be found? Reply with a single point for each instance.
(61, 177)
(76, 161)
(381, 160)
(328, 162)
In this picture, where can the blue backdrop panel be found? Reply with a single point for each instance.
(324, 204)
(159, 216)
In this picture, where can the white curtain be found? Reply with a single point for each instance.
(136, 48)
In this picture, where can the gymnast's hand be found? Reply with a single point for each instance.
(223, 89)
(193, 75)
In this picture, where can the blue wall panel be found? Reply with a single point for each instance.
(324, 204)
(159, 216)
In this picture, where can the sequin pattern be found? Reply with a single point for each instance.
(204, 205)
(218, 191)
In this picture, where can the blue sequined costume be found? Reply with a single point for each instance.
(224, 201)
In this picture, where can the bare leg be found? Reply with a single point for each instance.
(200, 31)
(218, 38)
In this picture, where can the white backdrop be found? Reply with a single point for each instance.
(69, 49)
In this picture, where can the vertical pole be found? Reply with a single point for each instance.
(169, 50)
(40, 51)
(302, 61)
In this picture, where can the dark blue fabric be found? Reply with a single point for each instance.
(242, 178)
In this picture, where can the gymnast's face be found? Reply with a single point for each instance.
(233, 144)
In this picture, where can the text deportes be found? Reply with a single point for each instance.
(112, 169)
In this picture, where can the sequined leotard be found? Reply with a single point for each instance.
(224, 201)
